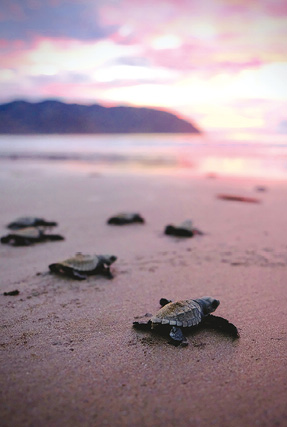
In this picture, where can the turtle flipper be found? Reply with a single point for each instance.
(221, 324)
(177, 336)
(76, 275)
(103, 270)
(107, 273)
(52, 237)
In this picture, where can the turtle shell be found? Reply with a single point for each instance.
(28, 221)
(184, 229)
(183, 313)
(125, 218)
(23, 237)
(186, 225)
(81, 262)
(86, 263)
(30, 233)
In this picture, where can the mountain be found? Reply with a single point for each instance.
(48, 117)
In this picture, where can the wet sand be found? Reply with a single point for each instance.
(69, 354)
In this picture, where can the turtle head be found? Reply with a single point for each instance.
(107, 259)
(208, 304)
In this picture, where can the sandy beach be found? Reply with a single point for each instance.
(69, 354)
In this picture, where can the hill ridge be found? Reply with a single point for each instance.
(53, 116)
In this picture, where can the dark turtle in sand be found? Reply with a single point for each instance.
(185, 229)
(173, 316)
(126, 218)
(28, 236)
(80, 266)
(30, 222)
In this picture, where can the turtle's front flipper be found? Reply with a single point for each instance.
(52, 237)
(105, 271)
(164, 301)
(177, 337)
(78, 275)
(221, 324)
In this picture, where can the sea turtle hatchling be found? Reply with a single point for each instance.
(126, 218)
(30, 221)
(80, 266)
(28, 236)
(185, 229)
(186, 314)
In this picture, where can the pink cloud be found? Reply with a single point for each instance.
(213, 34)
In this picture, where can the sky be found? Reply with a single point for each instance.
(218, 63)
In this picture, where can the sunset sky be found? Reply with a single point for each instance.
(219, 63)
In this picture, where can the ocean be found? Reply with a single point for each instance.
(242, 154)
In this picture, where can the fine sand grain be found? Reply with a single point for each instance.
(69, 354)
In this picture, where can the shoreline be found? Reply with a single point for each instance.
(69, 354)
(82, 167)
(225, 154)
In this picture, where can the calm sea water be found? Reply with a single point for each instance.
(237, 153)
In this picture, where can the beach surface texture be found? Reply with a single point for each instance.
(69, 353)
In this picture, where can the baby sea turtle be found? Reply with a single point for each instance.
(185, 229)
(30, 222)
(80, 266)
(28, 236)
(125, 218)
(186, 314)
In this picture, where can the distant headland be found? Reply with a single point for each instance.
(54, 117)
